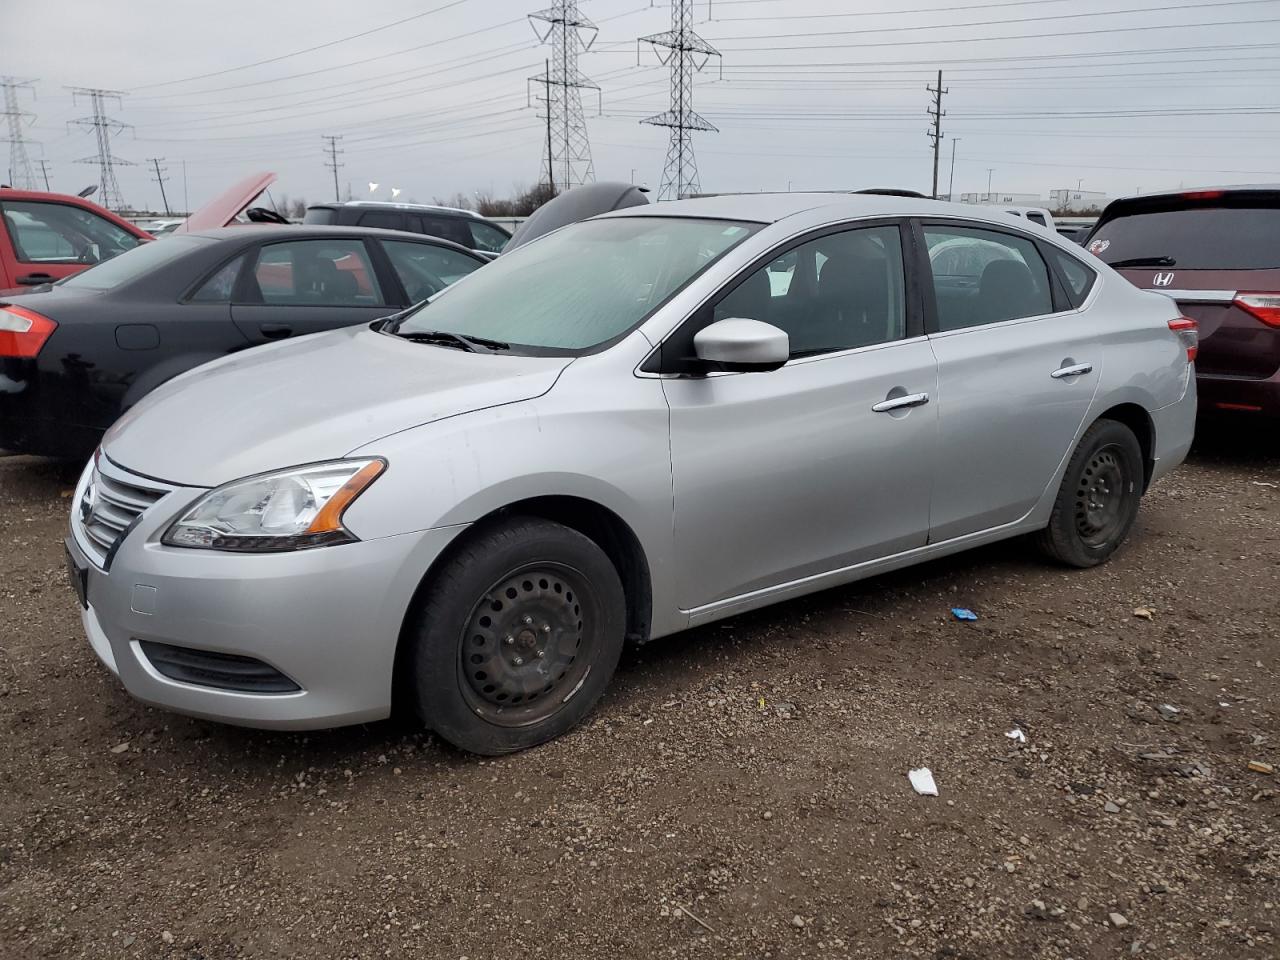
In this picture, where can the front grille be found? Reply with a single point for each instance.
(224, 671)
(109, 504)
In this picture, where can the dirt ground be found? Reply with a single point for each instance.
(741, 792)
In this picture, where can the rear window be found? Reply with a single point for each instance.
(1195, 237)
(135, 263)
(321, 215)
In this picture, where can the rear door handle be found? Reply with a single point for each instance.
(897, 403)
(1075, 370)
(276, 331)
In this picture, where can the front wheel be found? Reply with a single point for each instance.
(1099, 497)
(516, 636)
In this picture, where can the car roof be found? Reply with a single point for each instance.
(772, 207)
(396, 205)
(273, 231)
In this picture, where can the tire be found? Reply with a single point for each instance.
(1099, 497)
(516, 637)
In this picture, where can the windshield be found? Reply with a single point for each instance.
(128, 266)
(1194, 237)
(579, 287)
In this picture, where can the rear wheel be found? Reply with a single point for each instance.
(1099, 497)
(516, 637)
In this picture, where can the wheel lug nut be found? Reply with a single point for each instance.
(518, 661)
(527, 620)
(540, 654)
(509, 640)
(546, 628)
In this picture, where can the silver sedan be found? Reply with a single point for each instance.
(633, 425)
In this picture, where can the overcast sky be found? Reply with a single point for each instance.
(1123, 95)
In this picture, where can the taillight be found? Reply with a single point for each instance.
(22, 331)
(1188, 331)
(1263, 306)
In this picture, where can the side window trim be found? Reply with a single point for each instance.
(1059, 300)
(659, 362)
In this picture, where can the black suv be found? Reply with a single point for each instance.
(461, 226)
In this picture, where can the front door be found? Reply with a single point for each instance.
(825, 462)
(297, 287)
(1017, 371)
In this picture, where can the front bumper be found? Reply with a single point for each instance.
(328, 618)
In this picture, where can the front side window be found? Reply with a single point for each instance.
(317, 273)
(982, 276)
(425, 269)
(838, 292)
(44, 232)
(487, 237)
(581, 286)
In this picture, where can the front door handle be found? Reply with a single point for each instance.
(36, 279)
(1074, 370)
(897, 403)
(276, 331)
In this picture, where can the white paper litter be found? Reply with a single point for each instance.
(922, 781)
(1017, 734)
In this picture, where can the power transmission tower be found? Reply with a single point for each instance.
(549, 170)
(935, 134)
(160, 178)
(104, 129)
(569, 33)
(333, 163)
(21, 171)
(685, 53)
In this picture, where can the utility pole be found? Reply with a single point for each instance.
(685, 53)
(160, 178)
(333, 164)
(186, 202)
(104, 128)
(951, 183)
(44, 169)
(21, 173)
(569, 33)
(937, 113)
(990, 171)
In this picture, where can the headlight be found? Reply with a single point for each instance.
(290, 510)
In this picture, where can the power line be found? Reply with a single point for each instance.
(333, 163)
(686, 54)
(21, 172)
(104, 128)
(569, 34)
(298, 53)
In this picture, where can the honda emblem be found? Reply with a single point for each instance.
(1163, 279)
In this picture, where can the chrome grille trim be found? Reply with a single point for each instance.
(108, 505)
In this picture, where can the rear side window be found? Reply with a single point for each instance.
(321, 215)
(1077, 278)
(1194, 237)
(219, 287)
(450, 228)
(1037, 218)
(321, 273)
(982, 276)
(383, 219)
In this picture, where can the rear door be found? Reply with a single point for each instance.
(1203, 249)
(296, 287)
(1017, 371)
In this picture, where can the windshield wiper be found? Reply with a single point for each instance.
(445, 338)
(1143, 262)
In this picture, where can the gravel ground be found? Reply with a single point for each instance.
(741, 792)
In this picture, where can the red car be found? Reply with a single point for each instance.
(48, 236)
(1217, 253)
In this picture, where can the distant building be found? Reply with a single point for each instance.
(1016, 199)
(1077, 201)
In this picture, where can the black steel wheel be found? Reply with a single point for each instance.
(1099, 497)
(516, 636)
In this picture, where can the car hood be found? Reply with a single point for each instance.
(316, 398)
(224, 208)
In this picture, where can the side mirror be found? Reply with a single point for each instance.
(741, 345)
